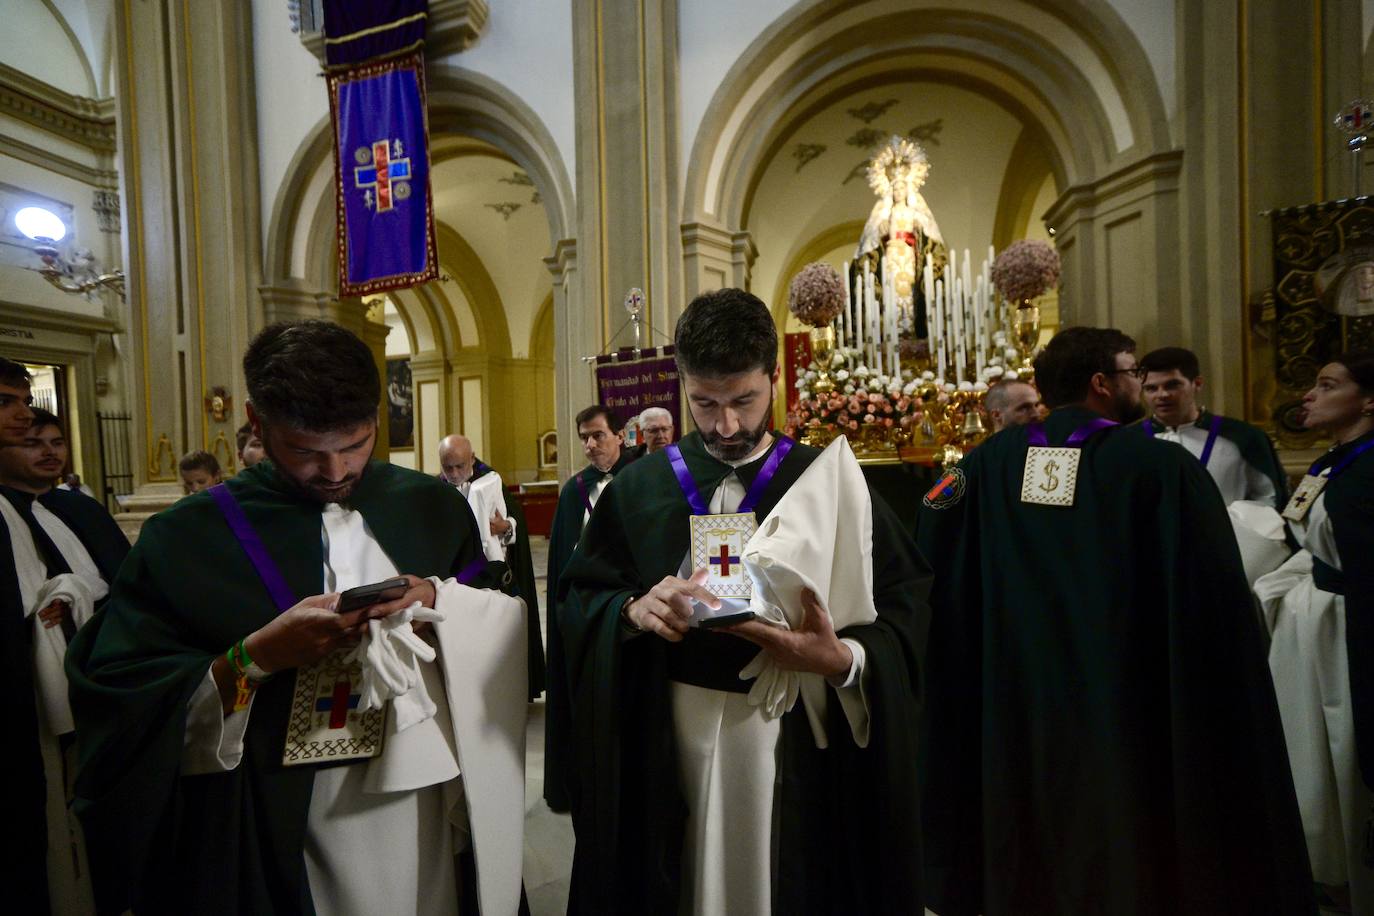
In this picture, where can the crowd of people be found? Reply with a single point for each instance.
(1120, 667)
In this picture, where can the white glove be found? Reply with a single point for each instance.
(389, 655)
(775, 689)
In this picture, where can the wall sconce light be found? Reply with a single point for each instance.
(79, 275)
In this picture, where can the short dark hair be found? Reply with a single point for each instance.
(588, 414)
(1065, 368)
(312, 375)
(241, 437)
(999, 395)
(42, 419)
(725, 332)
(1360, 365)
(14, 374)
(1167, 359)
(199, 460)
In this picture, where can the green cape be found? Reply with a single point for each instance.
(563, 538)
(1255, 447)
(1101, 732)
(848, 836)
(223, 842)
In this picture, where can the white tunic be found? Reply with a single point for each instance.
(1235, 477)
(486, 497)
(727, 764)
(1307, 657)
(364, 853)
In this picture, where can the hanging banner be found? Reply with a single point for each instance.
(385, 212)
(630, 380)
(356, 32)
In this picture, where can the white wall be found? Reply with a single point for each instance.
(35, 42)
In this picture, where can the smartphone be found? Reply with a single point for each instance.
(725, 620)
(368, 595)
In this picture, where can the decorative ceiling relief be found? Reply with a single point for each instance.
(804, 153)
(867, 137)
(505, 209)
(927, 133)
(871, 111)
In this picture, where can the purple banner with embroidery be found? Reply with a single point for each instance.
(627, 383)
(355, 32)
(384, 208)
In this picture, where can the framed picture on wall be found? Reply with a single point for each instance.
(400, 403)
(548, 450)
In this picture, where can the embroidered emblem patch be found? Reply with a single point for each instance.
(717, 545)
(948, 490)
(1051, 476)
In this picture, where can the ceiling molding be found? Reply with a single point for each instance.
(85, 121)
(47, 159)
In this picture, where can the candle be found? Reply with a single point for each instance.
(858, 306)
(844, 314)
(928, 287)
(940, 329)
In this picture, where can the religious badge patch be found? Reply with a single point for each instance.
(325, 725)
(948, 490)
(718, 545)
(1303, 497)
(1051, 476)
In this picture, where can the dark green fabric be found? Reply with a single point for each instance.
(563, 537)
(224, 842)
(901, 486)
(23, 803)
(849, 837)
(1349, 501)
(1101, 732)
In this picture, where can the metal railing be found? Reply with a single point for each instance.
(116, 467)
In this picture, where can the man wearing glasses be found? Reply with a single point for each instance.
(1100, 730)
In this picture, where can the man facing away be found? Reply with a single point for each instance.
(602, 434)
(1101, 733)
(1240, 457)
(218, 675)
(689, 797)
(656, 423)
(1012, 403)
(66, 551)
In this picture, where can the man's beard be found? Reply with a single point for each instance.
(1126, 409)
(317, 488)
(742, 443)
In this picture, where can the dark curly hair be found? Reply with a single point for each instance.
(311, 375)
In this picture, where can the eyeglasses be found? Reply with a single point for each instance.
(1138, 371)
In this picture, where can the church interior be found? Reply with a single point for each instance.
(168, 188)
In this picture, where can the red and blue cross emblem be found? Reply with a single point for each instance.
(723, 561)
(382, 175)
(339, 703)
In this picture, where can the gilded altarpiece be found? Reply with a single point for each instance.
(1323, 299)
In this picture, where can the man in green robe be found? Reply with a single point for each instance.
(1240, 457)
(602, 434)
(182, 686)
(1101, 733)
(688, 798)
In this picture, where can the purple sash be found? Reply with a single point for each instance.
(1346, 462)
(1035, 433)
(751, 499)
(267, 570)
(1213, 430)
(582, 491)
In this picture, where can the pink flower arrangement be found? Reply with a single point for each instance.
(1025, 269)
(849, 412)
(816, 294)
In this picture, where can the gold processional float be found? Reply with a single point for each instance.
(902, 370)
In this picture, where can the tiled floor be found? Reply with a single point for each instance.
(548, 836)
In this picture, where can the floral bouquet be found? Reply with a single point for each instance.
(863, 399)
(816, 294)
(1024, 270)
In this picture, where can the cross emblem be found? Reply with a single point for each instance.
(724, 560)
(338, 703)
(1299, 499)
(382, 172)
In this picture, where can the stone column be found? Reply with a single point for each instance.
(188, 170)
(625, 71)
(576, 334)
(716, 257)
